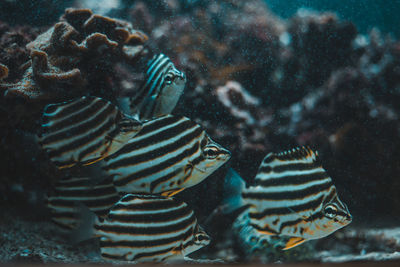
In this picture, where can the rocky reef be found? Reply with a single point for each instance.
(255, 82)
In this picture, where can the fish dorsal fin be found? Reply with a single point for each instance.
(294, 159)
(140, 198)
(171, 193)
(303, 153)
(265, 232)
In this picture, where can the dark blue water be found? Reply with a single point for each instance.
(366, 14)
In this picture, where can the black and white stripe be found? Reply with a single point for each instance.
(289, 194)
(149, 228)
(71, 192)
(84, 130)
(169, 154)
(161, 90)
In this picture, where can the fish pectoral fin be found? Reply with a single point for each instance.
(190, 166)
(171, 193)
(293, 242)
(200, 170)
(116, 140)
(177, 250)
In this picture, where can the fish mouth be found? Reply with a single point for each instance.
(347, 219)
(225, 155)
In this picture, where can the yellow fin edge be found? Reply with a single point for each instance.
(293, 242)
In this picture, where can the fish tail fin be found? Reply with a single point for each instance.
(232, 193)
(123, 104)
(232, 204)
(85, 227)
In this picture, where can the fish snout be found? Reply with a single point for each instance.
(225, 154)
(182, 76)
(349, 218)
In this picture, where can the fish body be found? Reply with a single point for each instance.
(70, 192)
(84, 131)
(145, 228)
(160, 92)
(293, 197)
(169, 154)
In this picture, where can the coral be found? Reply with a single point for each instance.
(220, 41)
(63, 57)
(315, 45)
(3, 71)
(13, 52)
(240, 104)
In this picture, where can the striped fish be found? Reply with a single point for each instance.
(70, 192)
(84, 131)
(160, 92)
(168, 155)
(293, 197)
(149, 228)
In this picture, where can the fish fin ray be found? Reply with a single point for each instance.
(265, 232)
(293, 242)
(298, 153)
(171, 193)
(86, 221)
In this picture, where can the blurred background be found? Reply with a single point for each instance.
(366, 14)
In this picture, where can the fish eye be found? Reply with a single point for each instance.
(330, 211)
(169, 78)
(211, 152)
(200, 238)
